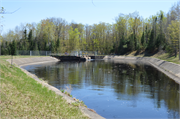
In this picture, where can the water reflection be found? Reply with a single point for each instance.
(116, 89)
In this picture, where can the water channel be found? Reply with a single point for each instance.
(115, 89)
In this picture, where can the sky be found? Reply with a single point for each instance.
(78, 11)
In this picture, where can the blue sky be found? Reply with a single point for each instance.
(79, 11)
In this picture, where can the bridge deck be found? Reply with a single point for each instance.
(71, 58)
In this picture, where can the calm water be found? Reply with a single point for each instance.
(115, 89)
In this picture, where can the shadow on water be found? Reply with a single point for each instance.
(115, 89)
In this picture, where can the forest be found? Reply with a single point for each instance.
(130, 32)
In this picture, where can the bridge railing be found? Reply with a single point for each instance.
(33, 53)
(77, 53)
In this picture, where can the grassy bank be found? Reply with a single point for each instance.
(160, 55)
(169, 58)
(23, 97)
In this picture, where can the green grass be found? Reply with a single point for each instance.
(23, 97)
(169, 58)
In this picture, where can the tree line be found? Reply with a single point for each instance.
(130, 32)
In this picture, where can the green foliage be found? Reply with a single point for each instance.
(74, 40)
(53, 48)
(62, 91)
(131, 45)
(58, 43)
(143, 41)
(25, 34)
(169, 49)
(160, 42)
(67, 93)
(13, 48)
(78, 103)
(30, 40)
(46, 46)
(4, 48)
(151, 41)
(35, 48)
(126, 34)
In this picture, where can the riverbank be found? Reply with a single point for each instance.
(19, 90)
(24, 97)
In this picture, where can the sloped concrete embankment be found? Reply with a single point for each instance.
(170, 69)
(30, 61)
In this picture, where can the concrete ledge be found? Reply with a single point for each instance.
(170, 69)
(30, 61)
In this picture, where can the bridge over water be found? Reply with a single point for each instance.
(76, 58)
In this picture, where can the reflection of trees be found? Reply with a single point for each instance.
(160, 86)
(130, 79)
(164, 89)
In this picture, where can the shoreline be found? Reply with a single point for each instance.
(30, 61)
(170, 69)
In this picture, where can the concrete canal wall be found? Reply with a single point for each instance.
(31, 61)
(170, 69)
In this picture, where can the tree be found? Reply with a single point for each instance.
(53, 47)
(143, 42)
(131, 43)
(74, 41)
(173, 31)
(30, 40)
(121, 24)
(151, 39)
(160, 42)
(96, 44)
(46, 46)
(35, 48)
(128, 33)
(13, 48)
(4, 48)
(57, 44)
